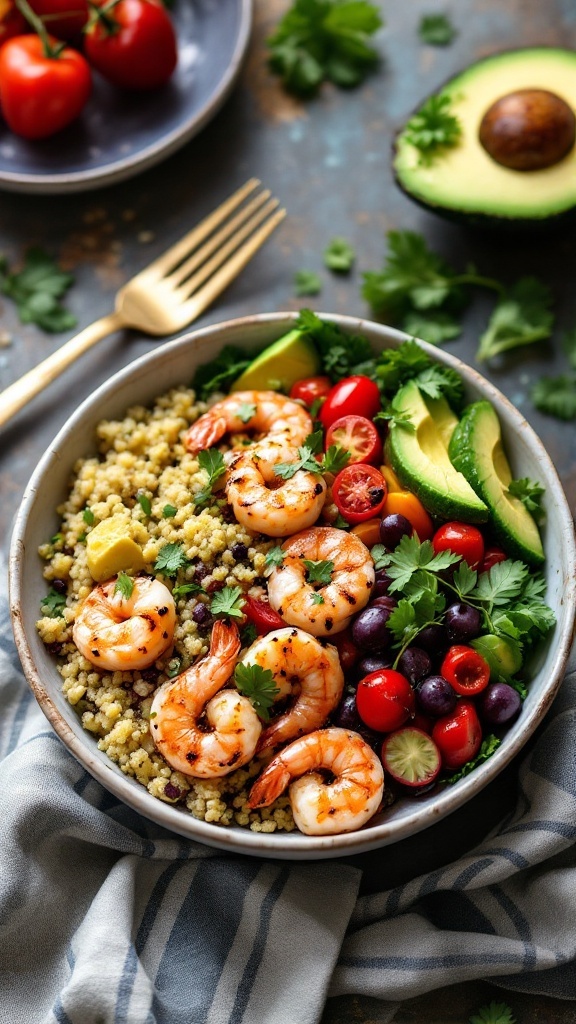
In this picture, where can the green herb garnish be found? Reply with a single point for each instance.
(341, 354)
(228, 603)
(187, 588)
(144, 502)
(307, 282)
(258, 685)
(530, 493)
(275, 556)
(522, 316)
(124, 585)
(212, 462)
(318, 572)
(436, 30)
(434, 128)
(169, 511)
(88, 517)
(339, 256)
(494, 1013)
(220, 373)
(489, 745)
(52, 606)
(171, 558)
(556, 396)
(36, 289)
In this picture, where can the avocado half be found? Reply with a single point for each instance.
(463, 182)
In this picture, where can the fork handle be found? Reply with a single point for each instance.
(15, 397)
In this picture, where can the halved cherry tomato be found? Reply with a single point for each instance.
(261, 615)
(406, 504)
(12, 23)
(359, 492)
(492, 556)
(41, 94)
(467, 671)
(352, 396)
(310, 389)
(368, 532)
(462, 539)
(358, 436)
(132, 43)
(458, 735)
(385, 700)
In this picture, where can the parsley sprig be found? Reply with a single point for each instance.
(318, 572)
(124, 585)
(221, 372)
(332, 461)
(228, 603)
(433, 128)
(52, 606)
(339, 255)
(530, 493)
(493, 1013)
(258, 685)
(171, 558)
(37, 290)
(489, 745)
(212, 462)
(522, 316)
(436, 30)
(341, 354)
(556, 396)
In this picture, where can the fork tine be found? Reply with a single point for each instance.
(169, 259)
(199, 302)
(185, 269)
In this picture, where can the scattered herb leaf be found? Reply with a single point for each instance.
(36, 289)
(124, 585)
(187, 588)
(228, 603)
(530, 493)
(245, 411)
(88, 517)
(522, 316)
(318, 572)
(489, 745)
(317, 599)
(258, 685)
(341, 354)
(212, 462)
(494, 1013)
(221, 372)
(307, 282)
(52, 606)
(436, 30)
(171, 558)
(173, 668)
(275, 556)
(556, 396)
(144, 502)
(169, 511)
(339, 256)
(434, 128)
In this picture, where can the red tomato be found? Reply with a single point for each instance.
(310, 389)
(133, 45)
(39, 95)
(12, 23)
(467, 671)
(458, 735)
(62, 18)
(492, 556)
(463, 540)
(385, 700)
(356, 435)
(359, 492)
(352, 396)
(261, 615)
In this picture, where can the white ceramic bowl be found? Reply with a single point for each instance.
(141, 382)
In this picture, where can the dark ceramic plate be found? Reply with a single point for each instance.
(120, 134)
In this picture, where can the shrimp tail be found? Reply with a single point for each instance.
(269, 785)
(205, 433)
(225, 641)
(276, 734)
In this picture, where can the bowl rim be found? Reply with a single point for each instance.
(281, 845)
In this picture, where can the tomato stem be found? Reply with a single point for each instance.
(103, 16)
(51, 50)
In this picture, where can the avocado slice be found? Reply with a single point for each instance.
(420, 459)
(464, 182)
(476, 450)
(281, 364)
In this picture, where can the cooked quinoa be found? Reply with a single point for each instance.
(143, 471)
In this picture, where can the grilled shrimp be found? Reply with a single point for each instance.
(302, 665)
(226, 738)
(344, 802)
(266, 503)
(124, 633)
(352, 579)
(268, 414)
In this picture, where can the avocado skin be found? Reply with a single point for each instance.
(471, 451)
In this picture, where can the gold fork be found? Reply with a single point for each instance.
(173, 290)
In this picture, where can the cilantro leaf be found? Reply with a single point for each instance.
(124, 585)
(212, 462)
(275, 556)
(248, 634)
(245, 411)
(320, 40)
(171, 558)
(442, 381)
(398, 365)
(36, 289)
(144, 502)
(187, 588)
(221, 372)
(339, 256)
(493, 1013)
(317, 599)
(409, 556)
(335, 458)
(556, 396)
(489, 745)
(402, 622)
(52, 606)
(530, 494)
(433, 128)
(228, 603)
(318, 572)
(169, 511)
(331, 462)
(341, 354)
(88, 517)
(464, 579)
(522, 316)
(436, 30)
(258, 685)
(434, 326)
(173, 667)
(307, 282)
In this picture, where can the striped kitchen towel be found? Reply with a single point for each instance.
(105, 918)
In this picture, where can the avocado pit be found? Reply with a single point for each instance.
(528, 130)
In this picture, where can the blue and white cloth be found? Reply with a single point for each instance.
(105, 918)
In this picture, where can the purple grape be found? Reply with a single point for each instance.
(382, 583)
(462, 623)
(499, 704)
(392, 528)
(369, 628)
(433, 639)
(415, 664)
(384, 602)
(346, 717)
(435, 697)
(372, 663)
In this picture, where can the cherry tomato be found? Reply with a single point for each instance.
(62, 18)
(492, 556)
(458, 735)
(348, 652)
(39, 94)
(406, 504)
(358, 436)
(467, 671)
(261, 615)
(462, 539)
(385, 700)
(12, 23)
(310, 389)
(359, 492)
(133, 44)
(356, 395)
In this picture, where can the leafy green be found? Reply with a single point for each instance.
(228, 603)
(434, 326)
(341, 354)
(339, 255)
(258, 685)
(144, 502)
(436, 30)
(187, 588)
(410, 556)
(88, 517)
(334, 459)
(124, 585)
(275, 556)
(318, 572)
(522, 316)
(331, 462)
(494, 1013)
(530, 493)
(245, 411)
(212, 462)
(434, 128)
(173, 667)
(171, 558)
(169, 511)
(248, 634)
(398, 365)
(317, 599)
(320, 40)
(220, 373)
(489, 745)
(53, 605)
(36, 289)
(556, 396)
(307, 282)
